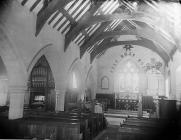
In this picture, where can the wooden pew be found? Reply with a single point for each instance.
(51, 129)
(143, 128)
(90, 123)
(144, 122)
(65, 117)
(43, 125)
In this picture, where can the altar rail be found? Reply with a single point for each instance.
(127, 104)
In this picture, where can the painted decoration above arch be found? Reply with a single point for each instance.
(139, 54)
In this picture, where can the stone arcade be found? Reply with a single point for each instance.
(90, 69)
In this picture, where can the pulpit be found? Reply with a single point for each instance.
(108, 100)
(167, 108)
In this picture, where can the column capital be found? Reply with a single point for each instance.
(18, 89)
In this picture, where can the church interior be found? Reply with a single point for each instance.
(90, 69)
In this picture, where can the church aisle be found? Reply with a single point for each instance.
(108, 134)
(141, 129)
(124, 133)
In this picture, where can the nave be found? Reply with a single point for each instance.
(132, 128)
(90, 69)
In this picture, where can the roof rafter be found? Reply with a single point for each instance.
(146, 32)
(91, 20)
(81, 25)
(143, 42)
(83, 48)
(47, 11)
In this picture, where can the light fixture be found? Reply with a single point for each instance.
(135, 4)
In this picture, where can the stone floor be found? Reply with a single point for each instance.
(118, 133)
(115, 132)
(108, 134)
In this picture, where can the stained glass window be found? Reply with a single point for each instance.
(129, 77)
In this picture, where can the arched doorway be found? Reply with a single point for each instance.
(41, 86)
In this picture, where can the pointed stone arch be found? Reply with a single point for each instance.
(53, 57)
(42, 86)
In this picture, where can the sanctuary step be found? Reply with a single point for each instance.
(118, 117)
(117, 133)
(142, 129)
(115, 119)
(128, 113)
(142, 124)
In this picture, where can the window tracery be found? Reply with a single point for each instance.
(129, 78)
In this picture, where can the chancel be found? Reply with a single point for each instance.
(90, 69)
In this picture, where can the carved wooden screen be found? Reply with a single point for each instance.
(42, 86)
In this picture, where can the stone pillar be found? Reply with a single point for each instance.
(16, 101)
(60, 100)
(3, 90)
(172, 82)
(27, 98)
(140, 111)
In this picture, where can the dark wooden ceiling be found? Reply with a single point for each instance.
(96, 25)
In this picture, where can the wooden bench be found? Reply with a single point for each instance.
(90, 123)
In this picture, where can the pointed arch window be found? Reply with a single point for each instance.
(129, 77)
(105, 82)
